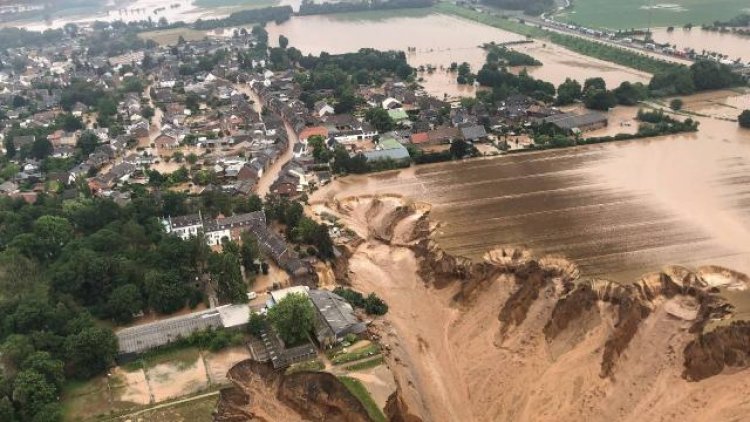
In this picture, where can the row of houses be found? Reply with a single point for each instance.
(217, 230)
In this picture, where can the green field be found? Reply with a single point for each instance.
(619, 14)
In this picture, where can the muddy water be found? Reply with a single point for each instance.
(139, 10)
(618, 209)
(735, 46)
(438, 40)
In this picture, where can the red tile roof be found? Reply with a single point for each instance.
(419, 138)
(312, 131)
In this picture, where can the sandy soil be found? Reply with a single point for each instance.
(378, 381)
(453, 363)
(218, 364)
(169, 380)
(130, 386)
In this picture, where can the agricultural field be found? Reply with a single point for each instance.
(618, 14)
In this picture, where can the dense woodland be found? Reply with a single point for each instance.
(66, 265)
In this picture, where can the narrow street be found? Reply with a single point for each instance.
(269, 176)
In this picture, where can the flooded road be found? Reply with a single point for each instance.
(618, 210)
(439, 40)
(734, 46)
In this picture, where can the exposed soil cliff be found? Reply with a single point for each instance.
(261, 394)
(515, 337)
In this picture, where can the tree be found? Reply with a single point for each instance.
(380, 119)
(124, 302)
(52, 234)
(225, 270)
(41, 149)
(256, 324)
(568, 92)
(676, 104)
(459, 148)
(249, 251)
(148, 112)
(7, 412)
(597, 99)
(90, 351)
(165, 291)
(15, 349)
(43, 363)
(293, 318)
(744, 119)
(33, 392)
(630, 94)
(374, 305)
(347, 102)
(87, 143)
(283, 41)
(10, 147)
(594, 83)
(69, 122)
(254, 203)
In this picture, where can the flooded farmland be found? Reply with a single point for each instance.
(438, 40)
(618, 210)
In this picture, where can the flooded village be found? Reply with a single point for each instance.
(314, 211)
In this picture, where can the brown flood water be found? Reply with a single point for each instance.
(439, 40)
(618, 209)
(735, 46)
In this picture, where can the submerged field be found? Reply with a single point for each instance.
(618, 210)
(639, 13)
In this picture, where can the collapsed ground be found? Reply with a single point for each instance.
(524, 339)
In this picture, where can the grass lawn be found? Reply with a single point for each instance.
(618, 14)
(359, 391)
(368, 351)
(170, 36)
(366, 364)
(83, 400)
(310, 365)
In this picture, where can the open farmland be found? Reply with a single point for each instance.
(635, 14)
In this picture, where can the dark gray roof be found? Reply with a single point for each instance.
(473, 132)
(569, 121)
(336, 312)
(144, 337)
(185, 220)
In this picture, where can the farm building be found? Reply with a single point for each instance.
(335, 318)
(570, 122)
(142, 338)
